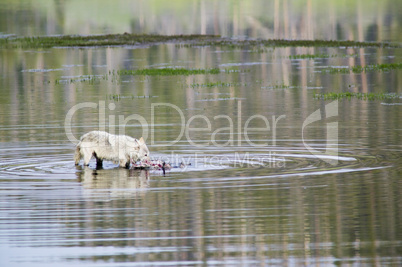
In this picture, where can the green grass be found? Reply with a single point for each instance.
(360, 69)
(168, 71)
(361, 96)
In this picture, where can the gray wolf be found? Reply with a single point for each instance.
(105, 146)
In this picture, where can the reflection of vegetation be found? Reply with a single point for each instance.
(362, 96)
(184, 40)
(169, 71)
(360, 69)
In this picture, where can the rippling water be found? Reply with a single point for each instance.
(54, 213)
(293, 193)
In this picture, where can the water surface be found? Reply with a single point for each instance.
(255, 198)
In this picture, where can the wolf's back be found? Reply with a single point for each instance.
(97, 137)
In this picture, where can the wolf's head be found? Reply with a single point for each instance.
(143, 152)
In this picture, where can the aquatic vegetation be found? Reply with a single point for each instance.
(360, 69)
(377, 67)
(361, 96)
(313, 56)
(278, 86)
(181, 41)
(168, 71)
(219, 99)
(96, 40)
(231, 70)
(118, 97)
(91, 79)
(310, 56)
(41, 70)
(216, 84)
(259, 44)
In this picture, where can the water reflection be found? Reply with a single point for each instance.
(113, 183)
(27, 94)
(285, 220)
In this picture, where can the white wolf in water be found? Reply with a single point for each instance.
(117, 148)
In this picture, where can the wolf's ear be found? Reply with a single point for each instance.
(142, 141)
(136, 141)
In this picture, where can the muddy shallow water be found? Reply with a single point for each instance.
(273, 175)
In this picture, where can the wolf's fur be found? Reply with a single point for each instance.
(105, 146)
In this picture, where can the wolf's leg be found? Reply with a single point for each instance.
(124, 163)
(77, 155)
(128, 165)
(99, 161)
(87, 156)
